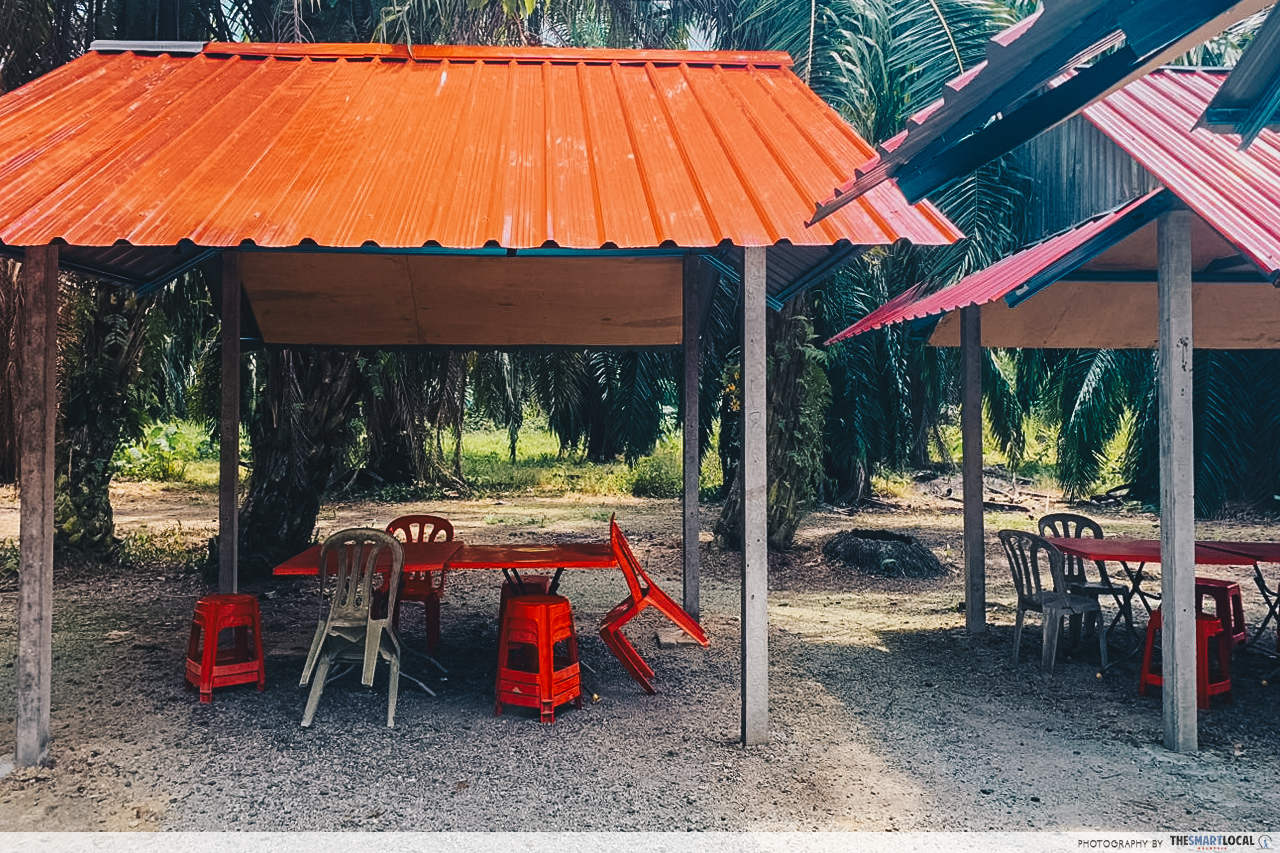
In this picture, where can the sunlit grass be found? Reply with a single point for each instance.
(181, 454)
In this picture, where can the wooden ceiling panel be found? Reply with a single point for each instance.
(1137, 252)
(1067, 315)
(327, 299)
(531, 301)
(331, 299)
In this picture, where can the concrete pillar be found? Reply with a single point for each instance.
(755, 550)
(229, 444)
(1177, 483)
(689, 417)
(975, 563)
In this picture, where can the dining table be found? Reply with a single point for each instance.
(1209, 552)
(420, 559)
(423, 558)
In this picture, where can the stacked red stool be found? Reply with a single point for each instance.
(209, 666)
(1207, 628)
(530, 672)
(1227, 606)
(531, 585)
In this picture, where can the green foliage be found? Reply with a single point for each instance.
(660, 475)
(1236, 408)
(164, 452)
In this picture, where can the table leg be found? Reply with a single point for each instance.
(555, 581)
(1136, 578)
(1272, 600)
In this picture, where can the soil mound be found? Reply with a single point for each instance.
(879, 552)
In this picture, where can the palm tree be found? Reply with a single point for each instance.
(877, 61)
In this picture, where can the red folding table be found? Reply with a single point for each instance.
(1207, 553)
(420, 558)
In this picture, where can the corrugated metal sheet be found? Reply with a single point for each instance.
(999, 104)
(1237, 192)
(1018, 275)
(1079, 174)
(451, 147)
(1250, 99)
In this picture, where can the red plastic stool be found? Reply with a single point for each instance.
(1227, 606)
(1207, 627)
(209, 666)
(538, 677)
(530, 585)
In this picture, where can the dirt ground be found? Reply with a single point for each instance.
(885, 713)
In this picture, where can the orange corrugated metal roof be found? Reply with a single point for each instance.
(456, 147)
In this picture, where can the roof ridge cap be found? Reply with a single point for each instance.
(481, 53)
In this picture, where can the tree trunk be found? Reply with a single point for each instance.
(797, 396)
(102, 357)
(299, 436)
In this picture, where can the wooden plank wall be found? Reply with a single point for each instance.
(1079, 174)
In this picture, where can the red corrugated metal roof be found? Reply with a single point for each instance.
(1041, 264)
(996, 105)
(1237, 192)
(456, 147)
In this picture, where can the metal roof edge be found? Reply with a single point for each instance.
(170, 47)
(1124, 220)
(1109, 228)
(476, 53)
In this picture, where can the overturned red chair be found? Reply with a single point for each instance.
(644, 593)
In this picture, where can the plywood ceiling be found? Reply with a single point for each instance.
(329, 299)
(1123, 315)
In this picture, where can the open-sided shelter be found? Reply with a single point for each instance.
(1030, 81)
(1204, 244)
(377, 195)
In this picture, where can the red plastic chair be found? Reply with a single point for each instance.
(430, 589)
(644, 593)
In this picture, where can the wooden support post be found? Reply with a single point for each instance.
(754, 475)
(37, 411)
(975, 563)
(1177, 483)
(229, 445)
(692, 461)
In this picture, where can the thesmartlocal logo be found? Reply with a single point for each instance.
(1219, 842)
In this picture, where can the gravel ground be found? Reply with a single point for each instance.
(885, 713)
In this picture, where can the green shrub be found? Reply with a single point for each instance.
(660, 475)
(164, 452)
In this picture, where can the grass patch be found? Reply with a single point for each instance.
(182, 453)
(167, 549)
(540, 467)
